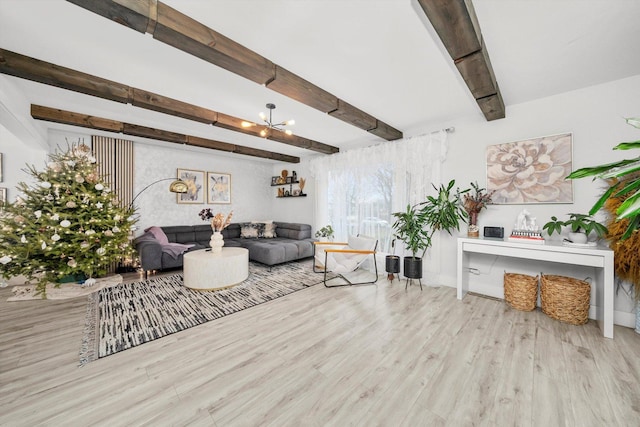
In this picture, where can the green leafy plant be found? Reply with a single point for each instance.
(417, 225)
(409, 227)
(618, 173)
(326, 231)
(579, 223)
(445, 211)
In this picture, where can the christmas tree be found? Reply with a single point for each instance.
(67, 224)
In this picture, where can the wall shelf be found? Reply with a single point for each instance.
(286, 183)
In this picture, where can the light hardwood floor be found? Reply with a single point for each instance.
(368, 355)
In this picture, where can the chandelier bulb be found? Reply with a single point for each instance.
(288, 132)
(291, 122)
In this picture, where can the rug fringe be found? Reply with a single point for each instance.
(89, 346)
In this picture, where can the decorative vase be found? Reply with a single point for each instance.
(473, 230)
(216, 242)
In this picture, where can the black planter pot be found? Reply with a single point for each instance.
(392, 264)
(412, 267)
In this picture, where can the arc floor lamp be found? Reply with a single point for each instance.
(177, 186)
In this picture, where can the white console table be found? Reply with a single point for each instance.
(599, 257)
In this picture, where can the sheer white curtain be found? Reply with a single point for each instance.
(358, 190)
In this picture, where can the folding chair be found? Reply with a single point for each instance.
(343, 258)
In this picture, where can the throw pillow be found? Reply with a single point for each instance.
(249, 231)
(269, 231)
(266, 229)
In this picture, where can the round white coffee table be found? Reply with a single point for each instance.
(206, 271)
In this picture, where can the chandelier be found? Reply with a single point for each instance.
(271, 125)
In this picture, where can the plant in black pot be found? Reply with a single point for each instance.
(417, 225)
(410, 228)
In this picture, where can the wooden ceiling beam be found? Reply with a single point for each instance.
(75, 119)
(162, 104)
(25, 67)
(176, 29)
(182, 32)
(295, 87)
(457, 25)
(55, 115)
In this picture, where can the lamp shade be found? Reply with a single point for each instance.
(178, 186)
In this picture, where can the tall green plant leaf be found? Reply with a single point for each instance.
(597, 170)
(633, 121)
(630, 207)
(603, 199)
(627, 145)
(623, 170)
(628, 188)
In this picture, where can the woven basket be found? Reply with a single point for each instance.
(521, 291)
(565, 298)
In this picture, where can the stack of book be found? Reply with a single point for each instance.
(526, 236)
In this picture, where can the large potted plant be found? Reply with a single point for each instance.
(417, 225)
(622, 202)
(409, 227)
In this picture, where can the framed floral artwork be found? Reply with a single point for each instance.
(195, 186)
(531, 171)
(218, 188)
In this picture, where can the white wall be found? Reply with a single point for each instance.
(295, 209)
(16, 156)
(250, 180)
(595, 117)
(251, 196)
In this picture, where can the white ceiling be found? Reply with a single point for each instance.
(382, 56)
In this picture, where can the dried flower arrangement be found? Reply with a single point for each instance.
(477, 200)
(473, 203)
(218, 221)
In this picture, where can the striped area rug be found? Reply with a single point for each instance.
(130, 314)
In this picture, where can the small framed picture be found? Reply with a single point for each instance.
(274, 180)
(289, 180)
(195, 186)
(219, 188)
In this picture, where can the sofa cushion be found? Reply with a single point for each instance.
(231, 232)
(180, 233)
(293, 230)
(266, 229)
(249, 230)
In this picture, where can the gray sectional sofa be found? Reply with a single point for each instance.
(293, 242)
